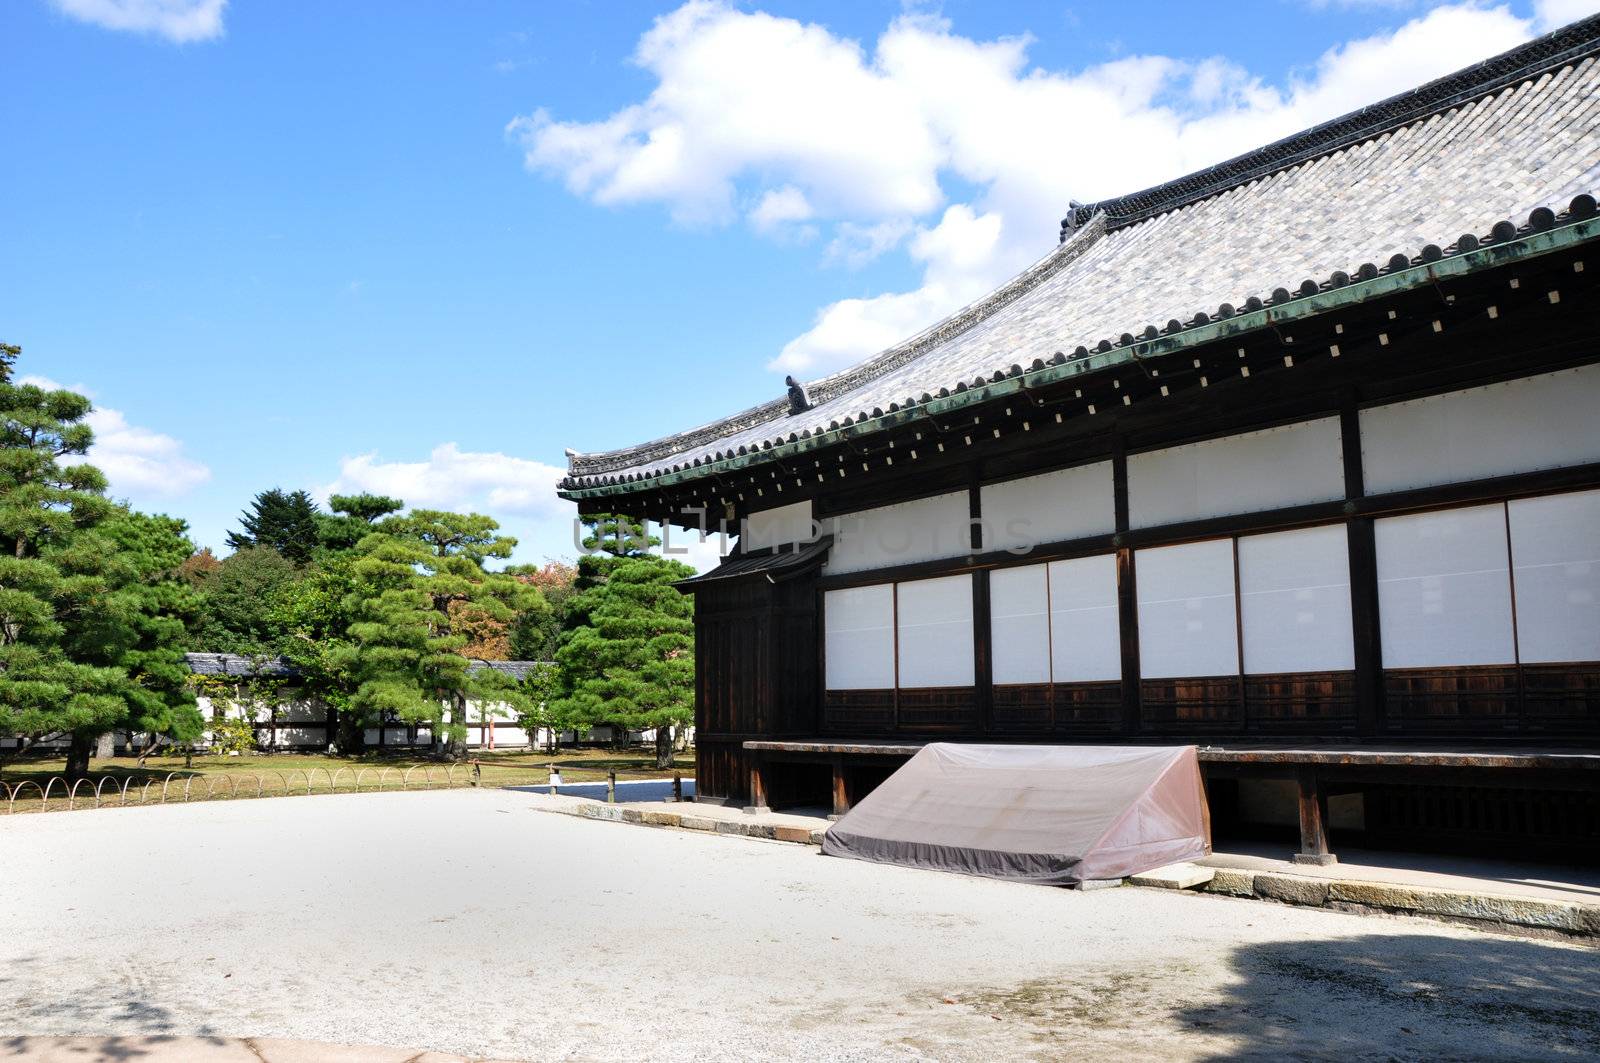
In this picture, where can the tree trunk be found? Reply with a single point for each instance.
(78, 754)
(455, 747)
(664, 746)
(105, 746)
(352, 734)
(148, 749)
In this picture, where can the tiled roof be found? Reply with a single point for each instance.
(238, 664)
(778, 564)
(1500, 150)
(518, 670)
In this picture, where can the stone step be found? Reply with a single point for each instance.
(1174, 877)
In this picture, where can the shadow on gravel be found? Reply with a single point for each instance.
(116, 1002)
(105, 1048)
(1406, 996)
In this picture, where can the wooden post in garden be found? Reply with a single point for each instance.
(677, 786)
(611, 787)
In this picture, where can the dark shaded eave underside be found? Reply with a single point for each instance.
(1462, 264)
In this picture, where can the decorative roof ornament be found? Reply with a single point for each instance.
(1077, 215)
(799, 401)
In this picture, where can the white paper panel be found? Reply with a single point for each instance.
(1085, 632)
(1540, 422)
(779, 527)
(302, 736)
(1067, 504)
(1277, 467)
(1444, 592)
(1294, 589)
(1555, 553)
(920, 530)
(1187, 625)
(302, 710)
(936, 648)
(1019, 619)
(859, 643)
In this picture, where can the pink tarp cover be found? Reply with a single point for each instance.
(1049, 814)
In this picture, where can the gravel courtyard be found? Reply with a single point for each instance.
(467, 921)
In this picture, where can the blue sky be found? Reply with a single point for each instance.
(421, 248)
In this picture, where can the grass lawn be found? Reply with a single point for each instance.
(499, 768)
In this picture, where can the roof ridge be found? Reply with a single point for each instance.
(1580, 212)
(846, 380)
(1525, 62)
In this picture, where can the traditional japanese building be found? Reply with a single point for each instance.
(1296, 458)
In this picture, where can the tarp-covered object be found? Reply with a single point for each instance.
(1048, 814)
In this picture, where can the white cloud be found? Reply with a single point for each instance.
(956, 256)
(751, 108)
(452, 478)
(520, 494)
(743, 93)
(137, 461)
(1552, 14)
(856, 245)
(181, 21)
(779, 206)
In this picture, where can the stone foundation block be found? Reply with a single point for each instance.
(792, 834)
(1292, 890)
(697, 823)
(1233, 882)
(663, 819)
(1518, 911)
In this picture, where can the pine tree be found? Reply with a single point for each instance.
(89, 636)
(629, 661)
(354, 517)
(285, 521)
(131, 610)
(406, 648)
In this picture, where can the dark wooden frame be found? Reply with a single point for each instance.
(1496, 326)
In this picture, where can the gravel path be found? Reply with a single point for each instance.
(466, 921)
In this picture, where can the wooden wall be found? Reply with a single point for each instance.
(757, 669)
(751, 685)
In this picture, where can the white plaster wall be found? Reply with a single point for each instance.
(1539, 422)
(1276, 467)
(1052, 507)
(924, 529)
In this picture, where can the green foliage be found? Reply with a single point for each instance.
(232, 735)
(536, 634)
(140, 620)
(285, 521)
(629, 661)
(404, 650)
(242, 598)
(352, 519)
(546, 708)
(313, 616)
(91, 610)
(609, 538)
